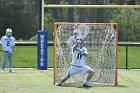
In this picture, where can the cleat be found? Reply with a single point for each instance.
(86, 86)
(11, 71)
(3, 70)
(59, 84)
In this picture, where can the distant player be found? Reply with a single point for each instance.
(8, 43)
(77, 63)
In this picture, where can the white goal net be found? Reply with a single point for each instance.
(101, 43)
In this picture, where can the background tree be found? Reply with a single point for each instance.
(70, 12)
(19, 15)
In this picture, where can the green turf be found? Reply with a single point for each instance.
(41, 81)
(26, 56)
(133, 57)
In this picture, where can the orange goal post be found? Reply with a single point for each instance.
(101, 42)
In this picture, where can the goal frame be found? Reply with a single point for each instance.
(97, 24)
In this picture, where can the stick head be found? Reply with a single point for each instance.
(75, 33)
(83, 30)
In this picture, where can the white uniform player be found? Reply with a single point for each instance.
(8, 43)
(78, 65)
(72, 41)
(77, 57)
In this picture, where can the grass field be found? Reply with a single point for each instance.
(30, 80)
(26, 56)
(133, 57)
(41, 81)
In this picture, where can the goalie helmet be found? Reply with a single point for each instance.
(80, 41)
(75, 33)
(9, 32)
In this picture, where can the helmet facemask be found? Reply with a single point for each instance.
(75, 33)
(79, 41)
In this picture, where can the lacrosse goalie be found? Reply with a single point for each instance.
(8, 43)
(72, 41)
(77, 63)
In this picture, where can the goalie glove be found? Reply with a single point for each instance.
(81, 51)
(78, 42)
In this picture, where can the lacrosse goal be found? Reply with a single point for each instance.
(101, 41)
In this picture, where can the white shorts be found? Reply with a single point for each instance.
(77, 69)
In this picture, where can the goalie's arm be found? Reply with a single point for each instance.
(74, 47)
(83, 52)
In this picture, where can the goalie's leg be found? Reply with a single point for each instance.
(86, 84)
(87, 69)
(72, 71)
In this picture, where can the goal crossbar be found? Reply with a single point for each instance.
(91, 6)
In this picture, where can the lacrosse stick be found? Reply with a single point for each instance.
(83, 30)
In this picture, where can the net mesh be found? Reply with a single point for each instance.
(101, 46)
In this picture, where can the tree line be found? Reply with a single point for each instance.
(23, 17)
(128, 19)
